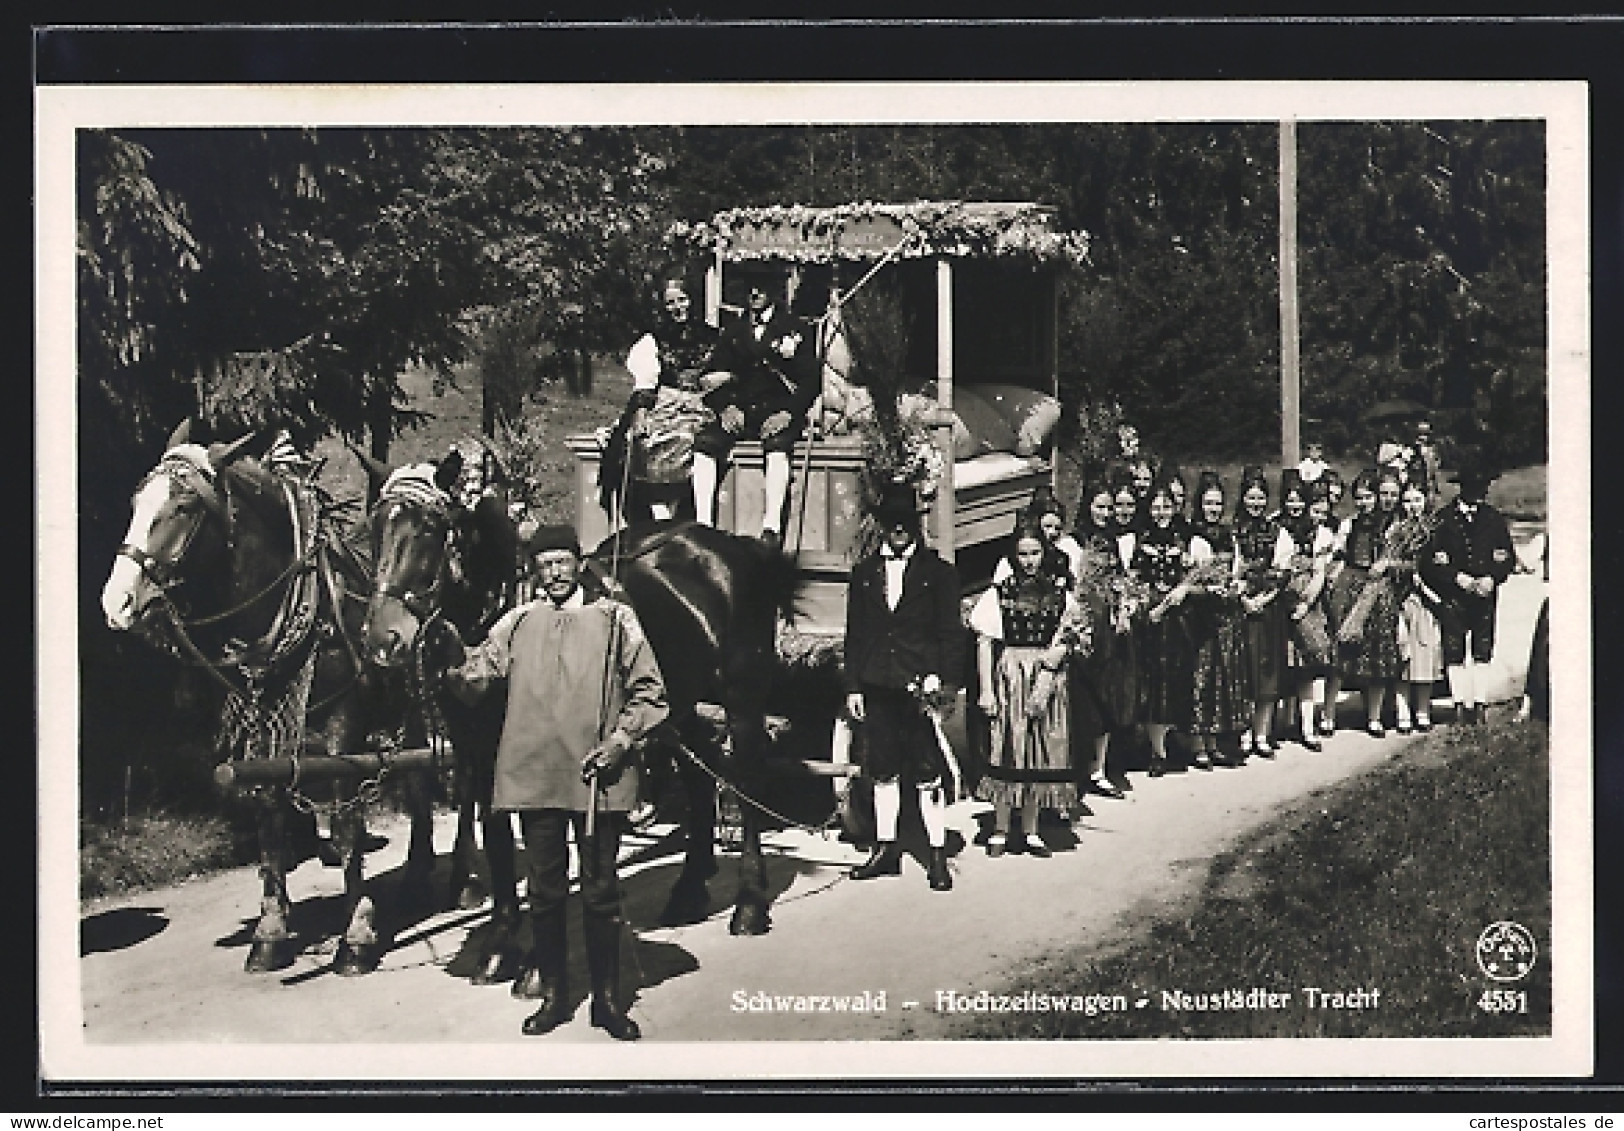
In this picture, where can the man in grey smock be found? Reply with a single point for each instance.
(583, 689)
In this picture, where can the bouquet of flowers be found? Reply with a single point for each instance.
(1404, 540)
(1130, 595)
(1074, 637)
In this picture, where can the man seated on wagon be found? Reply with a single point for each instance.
(773, 382)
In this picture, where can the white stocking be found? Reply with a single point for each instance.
(777, 489)
(840, 742)
(933, 811)
(705, 489)
(1462, 687)
(887, 807)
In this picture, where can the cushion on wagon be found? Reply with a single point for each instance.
(977, 429)
(981, 428)
(1030, 414)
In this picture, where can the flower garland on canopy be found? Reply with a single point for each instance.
(954, 228)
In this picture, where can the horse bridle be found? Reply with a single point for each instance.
(424, 605)
(187, 477)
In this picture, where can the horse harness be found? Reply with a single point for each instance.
(266, 706)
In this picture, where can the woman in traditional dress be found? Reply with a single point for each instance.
(1125, 507)
(1309, 651)
(1265, 558)
(671, 372)
(1050, 516)
(1165, 653)
(1223, 697)
(1027, 626)
(1368, 630)
(1421, 646)
(1103, 681)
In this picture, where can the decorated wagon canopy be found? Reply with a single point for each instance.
(864, 231)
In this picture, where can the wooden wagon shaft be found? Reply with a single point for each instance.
(317, 767)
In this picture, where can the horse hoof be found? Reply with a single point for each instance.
(266, 955)
(749, 920)
(502, 966)
(685, 907)
(529, 984)
(472, 896)
(353, 960)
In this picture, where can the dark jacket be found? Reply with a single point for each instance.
(923, 636)
(1480, 548)
(761, 376)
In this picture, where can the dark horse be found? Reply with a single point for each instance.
(709, 602)
(234, 568)
(440, 562)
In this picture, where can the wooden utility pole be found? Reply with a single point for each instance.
(945, 501)
(1290, 340)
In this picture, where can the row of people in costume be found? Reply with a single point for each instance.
(1207, 624)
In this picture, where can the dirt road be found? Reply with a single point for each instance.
(166, 966)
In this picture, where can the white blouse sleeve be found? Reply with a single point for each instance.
(1200, 550)
(1002, 571)
(643, 363)
(987, 618)
(1125, 547)
(1285, 546)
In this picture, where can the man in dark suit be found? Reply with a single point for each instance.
(771, 357)
(904, 642)
(1469, 559)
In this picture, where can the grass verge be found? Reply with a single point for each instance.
(1385, 883)
(155, 850)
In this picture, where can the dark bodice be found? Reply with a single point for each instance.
(1220, 537)
(685, 348)
(1158, 557)
(1031, 610)
(1364, 544)
(1255, 539)
(1301, 531)
(1101, 540)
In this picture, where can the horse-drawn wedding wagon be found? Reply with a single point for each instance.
(969, 340)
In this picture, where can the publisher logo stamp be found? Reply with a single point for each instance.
(1506, 951)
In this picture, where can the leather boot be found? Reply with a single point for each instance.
(603, 959)
(543, 979)
(502, 961)
(885, 860)
(940, 878)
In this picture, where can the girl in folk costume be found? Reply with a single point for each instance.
(1124, 506)
(1174, 478)
(1367, 632)
(1420, 640)
(1141, 478)
(1223, 697)
(1050, 516)
(671, 372)
(1024, 690)
(1165, 652)
(1310, 652)
(1264, 552)
(1103, 683)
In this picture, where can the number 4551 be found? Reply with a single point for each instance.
(1503, 1001)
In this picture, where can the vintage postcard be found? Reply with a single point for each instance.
(1290, 787)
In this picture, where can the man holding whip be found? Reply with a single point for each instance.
(904, 643)
(583, 690)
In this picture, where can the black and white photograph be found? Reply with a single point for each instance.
(817, 579)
